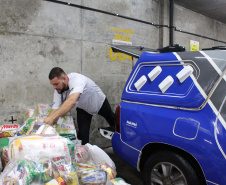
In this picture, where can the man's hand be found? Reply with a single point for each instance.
(64, 108)
(48, 120)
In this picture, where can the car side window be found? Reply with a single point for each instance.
(175, 86)
(166, 83)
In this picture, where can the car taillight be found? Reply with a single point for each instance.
(117, 119)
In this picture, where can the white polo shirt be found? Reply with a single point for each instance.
(91, 96)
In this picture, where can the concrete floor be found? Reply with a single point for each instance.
(124, 170)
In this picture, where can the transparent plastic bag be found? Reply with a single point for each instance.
(35, 126)
(39, 169)
(40, 145)
(93, 176)
(111, 172)
(89, 173)
(81, 153)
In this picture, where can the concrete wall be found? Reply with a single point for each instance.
(36, 36)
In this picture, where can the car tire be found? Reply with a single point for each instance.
(169, 168)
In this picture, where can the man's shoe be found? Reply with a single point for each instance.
(107, 132)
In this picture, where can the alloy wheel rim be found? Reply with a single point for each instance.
(166, 173)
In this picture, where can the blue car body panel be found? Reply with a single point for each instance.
(179, 117)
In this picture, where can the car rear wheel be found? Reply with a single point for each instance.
(169, 168)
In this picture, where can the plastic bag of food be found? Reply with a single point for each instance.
(42, 110)
(66, 128)
(40, 145)
(32, 126)
(8, 130)
(111, 172)
(48, 171)
(4, 143)
(39, 166)
(38, 169)
(53, 168)
(28, 114)
(81, 153)
(97, 155)
(94, 176)
(18, 172)
(89, 166)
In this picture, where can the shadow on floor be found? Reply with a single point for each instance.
(124, 170)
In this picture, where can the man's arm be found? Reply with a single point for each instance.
(52, 112)
(64, 108)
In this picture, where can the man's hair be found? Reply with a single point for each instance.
(56, 72)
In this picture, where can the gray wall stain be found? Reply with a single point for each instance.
(18, 13)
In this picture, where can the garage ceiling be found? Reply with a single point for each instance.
(215, 9)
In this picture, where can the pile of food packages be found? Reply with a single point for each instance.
(35, 153)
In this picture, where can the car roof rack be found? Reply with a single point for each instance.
(216, 48)
(136, 51)
(172, 48)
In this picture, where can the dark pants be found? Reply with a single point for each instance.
(84, 120)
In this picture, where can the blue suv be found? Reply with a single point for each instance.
(171, 122)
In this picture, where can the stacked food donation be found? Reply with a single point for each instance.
(36, 153)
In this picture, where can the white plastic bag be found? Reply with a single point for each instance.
(98, 155)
